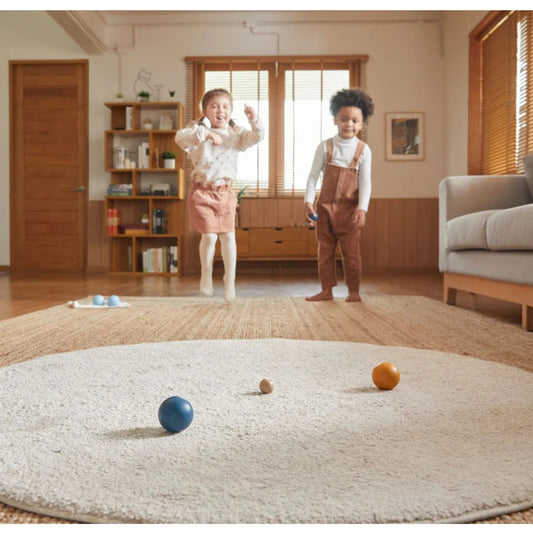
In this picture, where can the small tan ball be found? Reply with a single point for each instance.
(266, 386)
(386, 376)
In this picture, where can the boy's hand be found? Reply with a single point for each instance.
(359, 219)
(249, 111)
(214, 138)
(308, 212)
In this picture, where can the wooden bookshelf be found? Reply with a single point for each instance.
(144, 188)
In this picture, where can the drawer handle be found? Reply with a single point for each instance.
(278, 242)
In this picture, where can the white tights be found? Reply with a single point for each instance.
(228, 248)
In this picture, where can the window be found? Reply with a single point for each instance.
(291, 95)
(501, 93)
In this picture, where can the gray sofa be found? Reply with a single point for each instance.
(486, 238)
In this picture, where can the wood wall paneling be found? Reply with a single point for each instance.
(401, 234)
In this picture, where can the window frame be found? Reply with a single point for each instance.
(276, 67)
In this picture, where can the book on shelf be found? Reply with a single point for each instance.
(112, 221)
(120, 189)
(134, 229)
(174, 258)
(160, 260)
(129, 115)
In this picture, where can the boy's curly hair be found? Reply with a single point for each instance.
(352, 98)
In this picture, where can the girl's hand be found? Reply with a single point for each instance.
(214, 138)
(359, 219)
(309, 212)
(249, 111)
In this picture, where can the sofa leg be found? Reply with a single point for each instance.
(450, 295)
(527, 317)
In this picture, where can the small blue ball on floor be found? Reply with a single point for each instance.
(175, 414)
(98, 300)
(113, 300)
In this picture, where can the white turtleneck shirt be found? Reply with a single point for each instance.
(343, 154)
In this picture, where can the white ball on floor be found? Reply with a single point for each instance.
(113, 300)
(98, 300)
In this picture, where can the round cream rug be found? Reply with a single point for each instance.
(80, 436)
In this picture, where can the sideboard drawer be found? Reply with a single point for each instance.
(280, 234)
(291, 243)
(262, 247)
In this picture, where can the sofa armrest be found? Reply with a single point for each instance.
(461, 195)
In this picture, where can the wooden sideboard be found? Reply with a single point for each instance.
(275, 243)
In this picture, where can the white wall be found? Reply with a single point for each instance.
(418, 62)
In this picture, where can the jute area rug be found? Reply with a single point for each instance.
(380, 320)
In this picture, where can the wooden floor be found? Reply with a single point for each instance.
(21, 294)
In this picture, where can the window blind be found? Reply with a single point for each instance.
(307, 122)
(499, 99)
(501, 93)
(524, 93)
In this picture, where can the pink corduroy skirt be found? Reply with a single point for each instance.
(211, 208)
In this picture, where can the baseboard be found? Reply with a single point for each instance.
(5, 268)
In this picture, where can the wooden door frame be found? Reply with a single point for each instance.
(15, 162)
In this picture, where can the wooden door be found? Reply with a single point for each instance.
(48, 165)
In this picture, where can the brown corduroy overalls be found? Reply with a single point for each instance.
(336, 206)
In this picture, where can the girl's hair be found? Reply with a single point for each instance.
(217, 92)
(352, 98)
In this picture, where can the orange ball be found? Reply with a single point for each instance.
(386, 376)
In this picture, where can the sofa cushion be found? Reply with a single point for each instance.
(468, 232)
(511, 229)
(528, 168)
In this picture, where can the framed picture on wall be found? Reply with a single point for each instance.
(404, 136)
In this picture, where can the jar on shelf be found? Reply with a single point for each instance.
(121, 154)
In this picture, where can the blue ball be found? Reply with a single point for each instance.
(98, 300)
(175, 414)
(113, 300)
(314, 217)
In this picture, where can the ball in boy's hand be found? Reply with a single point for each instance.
(313, 217)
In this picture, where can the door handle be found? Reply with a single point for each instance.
(81, 188)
